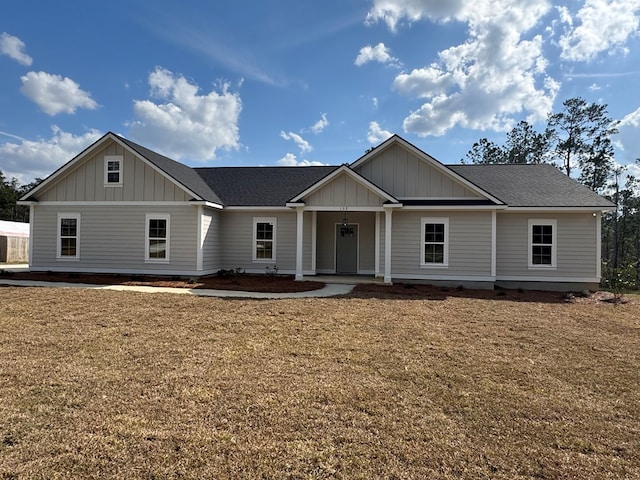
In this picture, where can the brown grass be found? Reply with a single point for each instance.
(98, 384)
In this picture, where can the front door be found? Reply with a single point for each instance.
(347, 249)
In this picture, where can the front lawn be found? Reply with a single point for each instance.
(102, 384)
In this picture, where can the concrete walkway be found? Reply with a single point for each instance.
(329, 290)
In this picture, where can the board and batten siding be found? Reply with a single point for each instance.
(342, 191)
(113, 239)
(326, 244)
(469, 245)
(140, 182)
(404, 175)
(236, 235)
(576, 239)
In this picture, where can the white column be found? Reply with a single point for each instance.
(494, 236)
(387, 245)
(598, 216)
(32, 219)
(299, 243)
(377, 246)
(200, 244)
(314, 240)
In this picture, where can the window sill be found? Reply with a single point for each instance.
(542, 267)
(161, 261)
(434, 265)
(264, 260)
(68, 259)
(113, 185)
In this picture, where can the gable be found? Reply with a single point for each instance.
(407, 173)
(344, 190)
(85, 181)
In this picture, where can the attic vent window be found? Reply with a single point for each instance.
(113, 170)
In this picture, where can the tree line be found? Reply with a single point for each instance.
(577, 140)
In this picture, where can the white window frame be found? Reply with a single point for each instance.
(108, 159)
(147, 238)
(256, 221)
(554, 245)
(434, 220)
(59, 236)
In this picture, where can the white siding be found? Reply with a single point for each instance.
(576, 249)
(403, 175)
(113, 239)
(469, 245)
(140, 182)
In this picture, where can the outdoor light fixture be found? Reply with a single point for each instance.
(346, 230)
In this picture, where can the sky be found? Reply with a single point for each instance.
(289, 82)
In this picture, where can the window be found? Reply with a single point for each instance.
(68, 244)
(157, 238)
(264, 234)
(113, 170)
(434, 245)
(542, 243)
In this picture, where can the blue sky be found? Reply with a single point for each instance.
(296, 83)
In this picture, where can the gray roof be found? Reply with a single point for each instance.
(516, 185)
(261, 186)
(185, 175)
(530, 185)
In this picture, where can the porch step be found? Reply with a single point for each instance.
(343, 279)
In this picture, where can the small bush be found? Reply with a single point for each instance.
(271, 271)
(230, 273)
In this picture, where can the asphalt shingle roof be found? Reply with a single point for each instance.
(261, 186)
(184, 174)
(530, 185)
(517, 185)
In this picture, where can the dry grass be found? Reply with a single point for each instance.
(97, 384)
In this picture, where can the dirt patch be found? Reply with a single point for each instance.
(239, 282)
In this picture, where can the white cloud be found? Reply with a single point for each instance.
(290, 160)
(627, 140)
(604, 24)
(14, 48)
(496, 74)
(394, 11)
(55, 94)
(302, 144)
(320, 125)
(380, 53)
(185, 124)
(29, 159)
(376, 134)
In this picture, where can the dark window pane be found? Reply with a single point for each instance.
(264, 231)
(68, 247)
(541, 255)
(434, 232)
(68, 227)
(264, 249)
(113, 177)
(434, 254)
(157, 228)
(157, 249)
(542, 234)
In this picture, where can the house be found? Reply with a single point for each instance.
(14, 242)
(395, 213)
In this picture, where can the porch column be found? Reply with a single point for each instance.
(387, 245)
(299, 242)
(494, 236)
(314, 240)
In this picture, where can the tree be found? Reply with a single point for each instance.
(581, 135)
(485, 151)
(525, 145)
